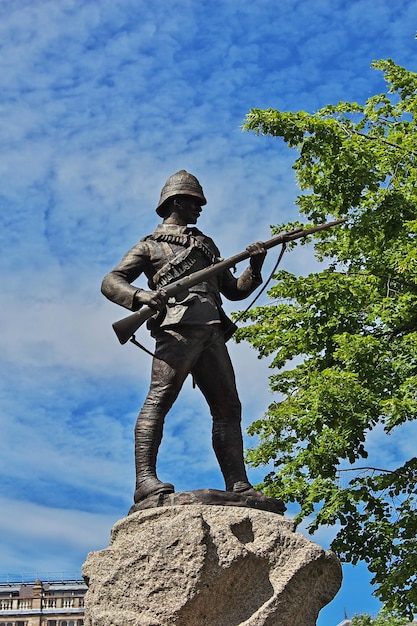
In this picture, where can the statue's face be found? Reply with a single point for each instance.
(189, 209)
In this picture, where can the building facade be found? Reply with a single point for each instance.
(53, 603)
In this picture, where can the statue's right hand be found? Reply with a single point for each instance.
(154, 299)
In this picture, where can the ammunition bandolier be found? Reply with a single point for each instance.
(192, 246)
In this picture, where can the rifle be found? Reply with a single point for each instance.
(126, 327)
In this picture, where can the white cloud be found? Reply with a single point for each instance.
(100, 103)
(388, 451)
(47, 539)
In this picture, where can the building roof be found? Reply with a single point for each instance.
(25, 590)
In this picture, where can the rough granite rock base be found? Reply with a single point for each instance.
(205, 565)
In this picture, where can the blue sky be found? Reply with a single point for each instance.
(100, 101)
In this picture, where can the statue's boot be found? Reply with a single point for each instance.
(244, 488)
(228, 447)
(148, 436)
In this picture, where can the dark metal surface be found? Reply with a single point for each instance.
(190, 329)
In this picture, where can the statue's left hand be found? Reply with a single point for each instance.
(257, 256)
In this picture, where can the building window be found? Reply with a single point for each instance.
(51, 622)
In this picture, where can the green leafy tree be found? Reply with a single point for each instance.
(343, 340)
(384, 618)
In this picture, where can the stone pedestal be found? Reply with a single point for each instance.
(208, 565)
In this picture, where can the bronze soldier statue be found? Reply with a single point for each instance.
(190, 331)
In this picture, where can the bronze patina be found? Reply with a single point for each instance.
(190, 331)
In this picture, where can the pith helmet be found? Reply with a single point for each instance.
(180, 183)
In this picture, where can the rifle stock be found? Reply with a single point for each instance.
(126, 327)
